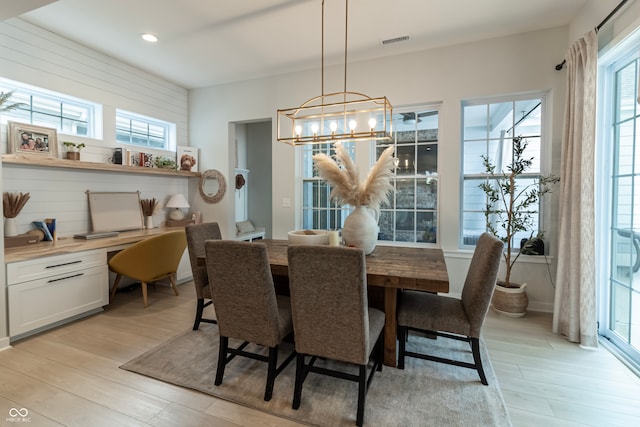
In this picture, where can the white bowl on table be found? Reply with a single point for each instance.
(308, 237)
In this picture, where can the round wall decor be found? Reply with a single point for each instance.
(212, 186)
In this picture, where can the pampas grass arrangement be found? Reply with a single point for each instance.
(342, 175)
(12, 203)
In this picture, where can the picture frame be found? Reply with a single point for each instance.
(32, 140)
(187, 158)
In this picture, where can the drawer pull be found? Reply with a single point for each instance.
(63, 264)
(65, 278)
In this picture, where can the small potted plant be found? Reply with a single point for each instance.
(508, 212)
(73, 150)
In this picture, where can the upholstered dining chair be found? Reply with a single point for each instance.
(196, 236)
(150, 260)
(449, 317)
(246, 305)
(331, 317)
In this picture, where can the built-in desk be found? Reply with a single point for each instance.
(69, 245)
(50, 283)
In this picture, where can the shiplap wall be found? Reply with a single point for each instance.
(61, 193)
(37, 57)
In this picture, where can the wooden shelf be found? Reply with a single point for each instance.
(18, 159)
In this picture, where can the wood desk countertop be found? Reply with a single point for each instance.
(389, 267)
(70, 245)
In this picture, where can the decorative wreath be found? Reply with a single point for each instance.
(222, 185)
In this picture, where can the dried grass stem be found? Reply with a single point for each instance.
(12, 203)
(148, 206)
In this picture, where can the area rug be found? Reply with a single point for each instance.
(423, 394)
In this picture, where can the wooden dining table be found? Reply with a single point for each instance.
(388, 267)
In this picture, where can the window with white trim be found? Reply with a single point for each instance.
(318, 211)
(488, 128)
(142, 131)
(411, 215)
(67, 114)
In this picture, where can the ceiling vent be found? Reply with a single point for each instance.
(394, 40)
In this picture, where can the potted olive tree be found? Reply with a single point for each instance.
(508, 211)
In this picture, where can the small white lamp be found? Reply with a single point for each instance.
(177, 202)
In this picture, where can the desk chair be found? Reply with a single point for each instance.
(246, 305)
(454, 318)
(331, 317)
(197, 234)
(150, 260)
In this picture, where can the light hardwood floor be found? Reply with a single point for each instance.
(69, 375)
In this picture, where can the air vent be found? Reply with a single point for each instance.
(394, 40)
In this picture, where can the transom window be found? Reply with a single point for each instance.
(141, 131)
(489, 127)
(68, 115)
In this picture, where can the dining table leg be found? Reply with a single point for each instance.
(390, 325)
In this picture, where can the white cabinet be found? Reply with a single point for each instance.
(48, 290)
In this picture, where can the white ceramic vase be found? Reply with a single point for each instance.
(148, 222)
(361, 229)
(10, 228)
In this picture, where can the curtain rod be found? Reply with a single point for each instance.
(604, 21)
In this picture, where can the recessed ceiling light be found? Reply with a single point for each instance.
(149, 37)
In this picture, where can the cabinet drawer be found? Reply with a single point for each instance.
(33, 269)
(41, 302)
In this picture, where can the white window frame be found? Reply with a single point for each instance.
(57, 114)
(467, 241)
(145, 123)
(312, 205)
(430, 179)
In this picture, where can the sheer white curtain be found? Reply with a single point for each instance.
(574, 313)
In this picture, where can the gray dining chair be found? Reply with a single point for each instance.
(197, 234)
(455, 318)
(331, 317)
(247, 306)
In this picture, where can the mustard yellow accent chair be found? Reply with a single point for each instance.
(150, 260)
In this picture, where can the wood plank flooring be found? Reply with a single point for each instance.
(69, 376)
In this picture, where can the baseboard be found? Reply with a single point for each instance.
(4, 343)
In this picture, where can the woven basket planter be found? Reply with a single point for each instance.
(510, 302)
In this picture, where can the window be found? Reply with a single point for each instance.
(141, 131)
(318, 211)
(411, 214)
(618, 199)
(488, 130)
(41, 107)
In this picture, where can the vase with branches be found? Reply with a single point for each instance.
(512, 203)
(361, 227)
(12, 204)
(149, 206)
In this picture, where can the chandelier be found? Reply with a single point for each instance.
(339, 116)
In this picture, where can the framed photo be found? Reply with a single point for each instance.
(187, 158)
(32, 140)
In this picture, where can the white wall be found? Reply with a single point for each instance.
(521, 63)
(34, 56)
(594, 13)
